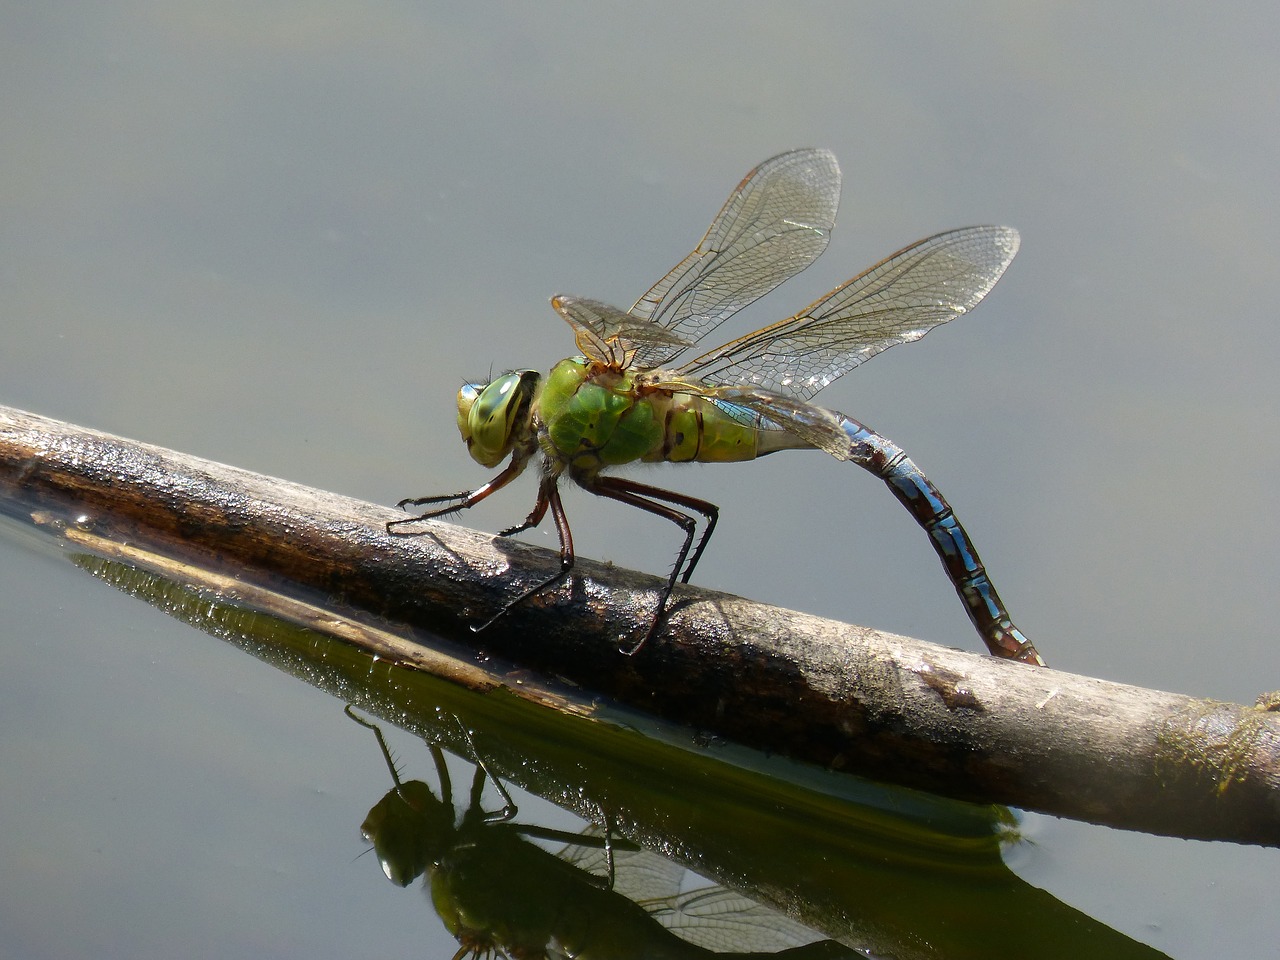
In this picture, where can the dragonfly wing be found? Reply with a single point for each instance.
(639, 875)
(898, 300)
(712, 917)
(600, 328)
(773, 225)
(766, 410)
(718, 919)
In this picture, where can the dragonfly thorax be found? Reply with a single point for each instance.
(590, 417)
(494, 417)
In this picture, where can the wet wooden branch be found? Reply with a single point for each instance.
(884, 706)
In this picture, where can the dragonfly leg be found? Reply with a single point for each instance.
(654, 500)
(437, 755)
(382, 743)
(509, 808)
(465, 499)
(532, 520)
(548, 497)
(442, 774)
(712, 513)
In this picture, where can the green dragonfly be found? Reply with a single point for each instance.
(620, 402)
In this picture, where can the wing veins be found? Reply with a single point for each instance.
(896, 301)
(775, 223)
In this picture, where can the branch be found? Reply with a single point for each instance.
(889, 707)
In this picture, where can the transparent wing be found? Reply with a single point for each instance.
(639, 875)
(716, 918)
(898, 300)
(773, 225)
(611, 335)
(766, 410)
(712, 917)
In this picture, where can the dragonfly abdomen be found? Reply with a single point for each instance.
(695, 429)
(917, 493)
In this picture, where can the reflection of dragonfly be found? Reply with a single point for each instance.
(618, 403)
(501, 895)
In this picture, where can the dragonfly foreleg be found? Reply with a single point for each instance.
(653, 500)
(382, 742)
(464, 500)
(442, 771)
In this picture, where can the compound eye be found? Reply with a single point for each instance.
(488, 417)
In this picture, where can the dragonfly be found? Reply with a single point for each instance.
(500, 894)
(622, 401)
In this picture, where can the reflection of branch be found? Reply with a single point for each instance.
(880, 705)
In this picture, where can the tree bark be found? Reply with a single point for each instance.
(884, 706)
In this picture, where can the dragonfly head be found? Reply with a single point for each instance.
(494, 417)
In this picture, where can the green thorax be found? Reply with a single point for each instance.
(593, 417)
(591, 420)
